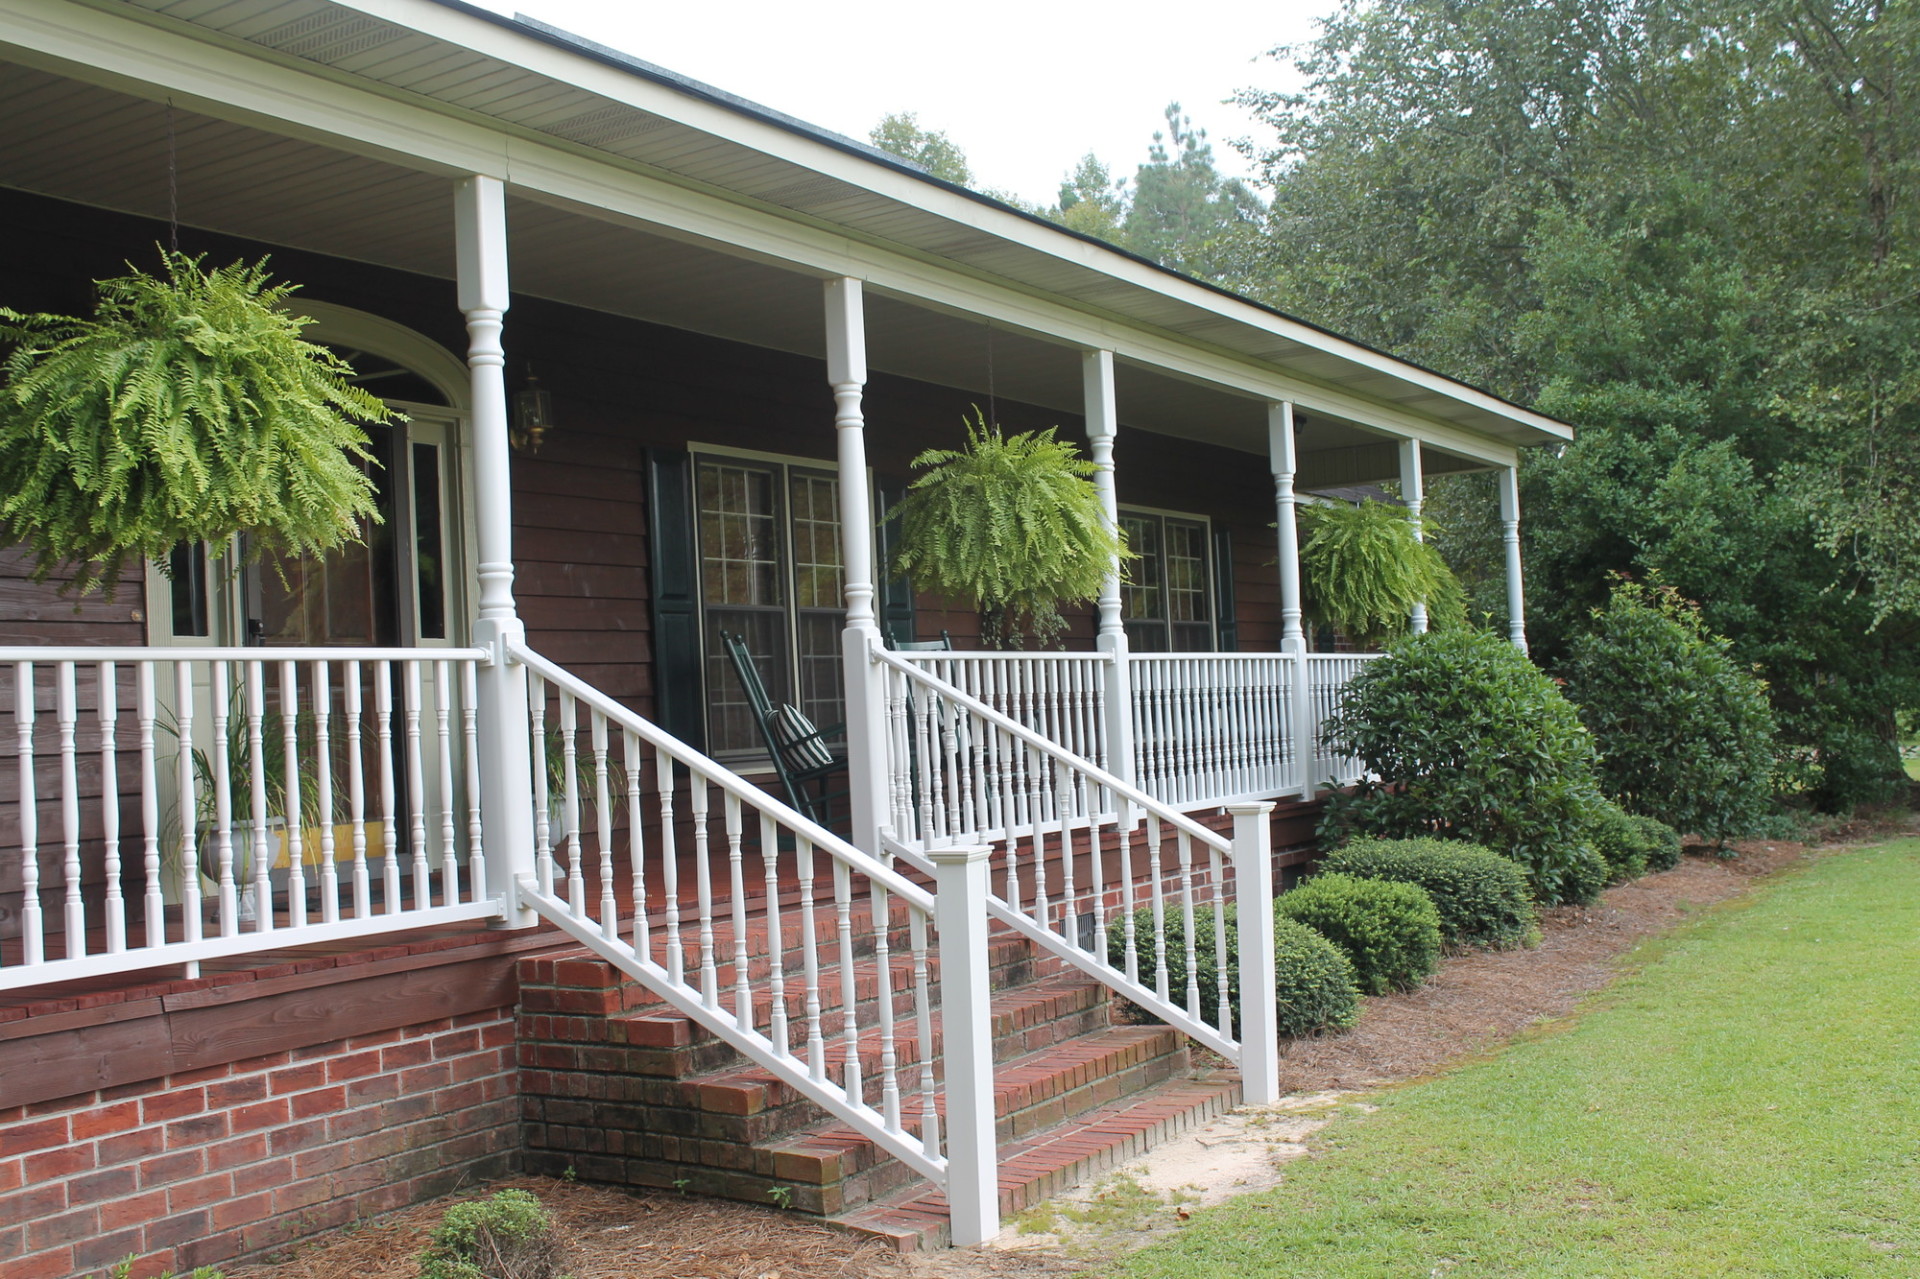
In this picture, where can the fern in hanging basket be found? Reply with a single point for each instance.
(1365, 571)
(1011, 523)
(187, 408)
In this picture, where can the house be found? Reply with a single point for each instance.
(528, 894)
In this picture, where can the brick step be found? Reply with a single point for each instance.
(1043, 1164)
(832, 1167)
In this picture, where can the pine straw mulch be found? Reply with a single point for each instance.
(1474, 1002)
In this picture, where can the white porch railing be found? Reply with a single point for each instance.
(208, 802)
(1213, 728)
(794, 955)
(1078, 853)
(1060, 696)
(1327, 675)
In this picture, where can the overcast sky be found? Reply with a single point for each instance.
(1025, 89)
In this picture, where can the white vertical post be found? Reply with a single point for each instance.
(1510, 532)
(1103, 426)
(1283, 458)
(866, 699)
(1413, 492)
(506, 763)
(1253, 894)
(960, 915)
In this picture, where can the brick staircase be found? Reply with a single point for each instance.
(621, 1089)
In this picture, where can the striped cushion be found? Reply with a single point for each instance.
(799, 739)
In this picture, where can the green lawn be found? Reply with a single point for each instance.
(1747, 1102)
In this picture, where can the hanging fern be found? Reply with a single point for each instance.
(1366, 570)
(1012, 524)
(186, 409)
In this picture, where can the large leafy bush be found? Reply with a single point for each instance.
(1389, 930)
(1314, 986)
(1481, 896)
(1467, 739)
(1684, 732)
(186, 409)
(1011, 523)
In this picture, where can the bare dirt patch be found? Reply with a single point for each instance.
(1476, 1001)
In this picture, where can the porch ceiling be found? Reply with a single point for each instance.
(96, 146)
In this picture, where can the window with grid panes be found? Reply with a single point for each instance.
(770, 571)
(1166, 600)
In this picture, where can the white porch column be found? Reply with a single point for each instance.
(1103, 425)
(1414, 493)
(866, 706)
(1283, 459)
(1510, 532)
(506, 763)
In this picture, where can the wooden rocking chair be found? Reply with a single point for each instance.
(799, 750)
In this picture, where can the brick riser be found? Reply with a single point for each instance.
(621, 1089)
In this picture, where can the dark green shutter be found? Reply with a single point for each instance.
(1226, 628)
(677, 668)
(896, 593)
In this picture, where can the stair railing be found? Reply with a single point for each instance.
(1088, 865)
(625, 814)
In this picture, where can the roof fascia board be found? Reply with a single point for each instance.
(120, 49)
(489, 36)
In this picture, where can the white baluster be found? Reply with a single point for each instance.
(190, 926)
(323, 776)
(32, 945)
(109, 708)
(290, 746)
(736, 878)
(1128, 903)
(603, 814)
(570, 805)
(416, 790)
(636, 842)
(226, 887)
(697, 802)
(156, 901)
(810, 960)
(849, 1025)
(923, 1029)
(1184, 842)
(67, 718)
(670, 872)
(883, 1002)
(389, 799)
(262, 895)
(470, 720)
(1156, 854)
(777, 972)
(542, 766)
(1221, 967)
(443, 717)
(356, 793)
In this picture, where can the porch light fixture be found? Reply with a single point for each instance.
(532, 416)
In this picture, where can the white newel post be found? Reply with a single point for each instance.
(973, 1157)
(1103, 425)
(506, 760)
(1253, 894)
(1282, 457)
(1413, 491)
(1510, 532)
(866, 698)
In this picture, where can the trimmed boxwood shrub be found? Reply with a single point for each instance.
(1466, 738)
(1661, 841)
(1684, 732)
(1314, 985)
(1621, 844)
(1390, 931)
(1481, 897)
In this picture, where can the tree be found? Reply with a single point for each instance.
(1685, 229)
(900, 134)
(1092, 201)
(1184, 214)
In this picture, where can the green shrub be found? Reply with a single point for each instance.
(509, 1236)
(1620, 844)
(1467, 739)
(1314, 987)
(1684, 732)
(1390, 931)
(1661, 841)
(1481, 896)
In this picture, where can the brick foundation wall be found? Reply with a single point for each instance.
(207, 1165)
